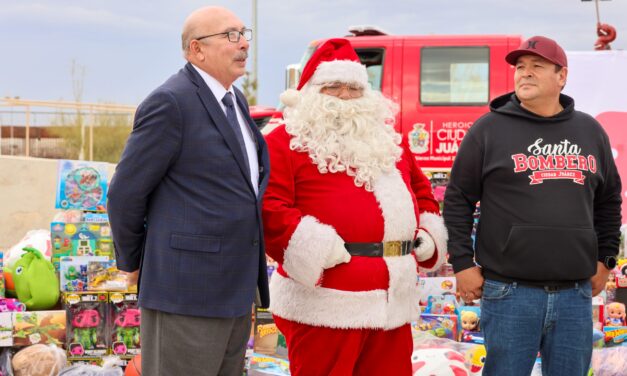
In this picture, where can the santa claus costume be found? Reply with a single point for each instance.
(350, 218)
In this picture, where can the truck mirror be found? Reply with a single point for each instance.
(292, 75)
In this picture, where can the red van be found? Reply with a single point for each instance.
(441, 82)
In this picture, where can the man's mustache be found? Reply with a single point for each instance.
(241, 55)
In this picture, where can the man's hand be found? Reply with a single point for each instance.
(470, 284)
(132, 277)
(599, 279)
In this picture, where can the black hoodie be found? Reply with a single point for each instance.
(549, 190)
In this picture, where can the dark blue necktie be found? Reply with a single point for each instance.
(231, 116)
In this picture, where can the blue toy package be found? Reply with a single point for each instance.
(80, 239)
(441, 326)
(441, 305)
(73, 272)
(81, 185)
(2, 289)
(469, 319)
(96, 217)
(260, 364)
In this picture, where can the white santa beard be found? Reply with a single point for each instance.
(355, 136)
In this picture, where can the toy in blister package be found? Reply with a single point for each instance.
(87, 319)
(124, 321)
(81, 185)
(442, 326)
(105, 276)
(73, 271)
(441, 305)
(469, 318)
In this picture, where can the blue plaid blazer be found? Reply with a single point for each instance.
(182, 207)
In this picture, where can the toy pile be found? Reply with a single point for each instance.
(447, 336)
(267, 350)
(609, 358)
(66, 306)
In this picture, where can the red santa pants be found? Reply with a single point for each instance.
(320, 351)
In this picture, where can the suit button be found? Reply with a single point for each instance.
(255, 243)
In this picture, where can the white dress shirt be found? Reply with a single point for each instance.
(251, 148)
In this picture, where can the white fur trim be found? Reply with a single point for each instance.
(328, 307)
(404, 292)
(397, 206)
(290, 97)
(312, 248)
(340, 70)
(433, 224)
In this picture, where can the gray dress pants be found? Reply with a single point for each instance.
(192, 346)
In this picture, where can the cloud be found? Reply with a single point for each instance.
(71, 15)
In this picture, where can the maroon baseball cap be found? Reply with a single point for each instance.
(539, 46)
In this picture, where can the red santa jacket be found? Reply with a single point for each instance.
(309, 215)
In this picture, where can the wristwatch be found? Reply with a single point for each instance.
(609, 262)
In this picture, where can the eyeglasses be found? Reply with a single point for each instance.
(233, 35)
(336, 88)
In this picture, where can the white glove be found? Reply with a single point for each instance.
(337, 255)
(426, 248)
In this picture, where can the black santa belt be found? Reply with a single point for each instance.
(383, 249)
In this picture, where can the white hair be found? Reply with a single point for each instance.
(355, 136)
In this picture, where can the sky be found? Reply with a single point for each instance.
(126, 48)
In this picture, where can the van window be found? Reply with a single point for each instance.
(372, 58)
(454, 75)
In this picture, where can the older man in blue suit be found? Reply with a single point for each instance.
(185, 204)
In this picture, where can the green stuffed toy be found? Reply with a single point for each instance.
(36, 284)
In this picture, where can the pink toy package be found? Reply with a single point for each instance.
(124, 323)
(87, 319)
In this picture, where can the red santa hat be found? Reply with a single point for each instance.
(334, 60)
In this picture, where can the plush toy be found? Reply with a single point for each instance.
(438, 361)
(110, 367)
(476, 357)
(39, 360)
(39, 239)
(35, 282)
(609, 361)
(615, 314)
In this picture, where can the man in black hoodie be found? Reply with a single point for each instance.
(550, 217)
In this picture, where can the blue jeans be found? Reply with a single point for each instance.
(518, 321)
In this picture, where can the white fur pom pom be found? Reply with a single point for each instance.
(290, 97)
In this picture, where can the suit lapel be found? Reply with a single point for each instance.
(212, 106)
(262, 150)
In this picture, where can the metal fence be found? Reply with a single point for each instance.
(37, 128)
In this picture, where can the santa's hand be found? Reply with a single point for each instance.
(425, 247)
(337, 255)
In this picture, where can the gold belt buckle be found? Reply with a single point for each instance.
(392, 249)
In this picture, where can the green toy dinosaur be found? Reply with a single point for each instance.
(36, 284)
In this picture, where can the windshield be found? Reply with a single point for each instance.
(306, 56)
